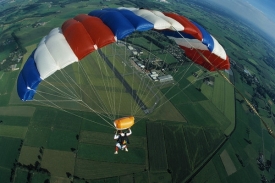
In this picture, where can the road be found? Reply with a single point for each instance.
(124, 83)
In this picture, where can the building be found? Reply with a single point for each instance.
(135, 52)
(165, 78)
(13, 67)
(130, 48)
(141, 66)
(247, 72)
(154, 76)
(211, 83)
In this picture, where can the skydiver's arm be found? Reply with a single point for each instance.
(116, 136)
(129, 133)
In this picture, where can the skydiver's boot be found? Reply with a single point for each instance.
(126, 149)
(116, 152)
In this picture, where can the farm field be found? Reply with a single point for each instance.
(94, 146)
(243, 152)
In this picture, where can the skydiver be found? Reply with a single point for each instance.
(122, 140)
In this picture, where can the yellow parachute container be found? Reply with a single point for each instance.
(124, 123)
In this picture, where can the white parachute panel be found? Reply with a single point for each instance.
(158, 22)
(175, 25)
(53, 53)
(218, 49)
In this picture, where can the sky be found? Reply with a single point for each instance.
(258, 12)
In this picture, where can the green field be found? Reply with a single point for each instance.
(25, 111)
(5, 174)
(208, 173)
(21, 175)
(105, 153)
(6, 86)
(29, 155)
(13, 131)
(40, 177)
(58, 163)
(248, 127)
(195, 107)
(156, 148)
(10, 152)
(95, 169)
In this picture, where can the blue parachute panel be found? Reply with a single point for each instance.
(22, 89)
(28, 79)
(138, 22)
(120, 26)
(207, 39)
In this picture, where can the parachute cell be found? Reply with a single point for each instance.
(78, 38)
(120, 25)
(53, 53)
(98, 31)
(175, 25)
(28, 78)
(189, 28)
(139, 23)
(158, 22)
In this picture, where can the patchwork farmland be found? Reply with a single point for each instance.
(169, 145)
(66, 147)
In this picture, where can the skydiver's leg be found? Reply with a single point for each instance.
(125, 147)
(117, 147)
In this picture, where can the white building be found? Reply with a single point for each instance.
(154, 75)
(141, 66)
(165, 78)
(135, 52)
(130, 48)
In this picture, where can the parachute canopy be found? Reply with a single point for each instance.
(124, 123)
(84, 34)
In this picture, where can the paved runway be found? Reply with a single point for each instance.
(125, 84)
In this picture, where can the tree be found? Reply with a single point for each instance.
(69, 175)
(29, 177)
(73, 150)
(47, 181)
(37, 165)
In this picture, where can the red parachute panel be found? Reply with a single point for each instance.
(98, 31)
(78, 38)
(226, 64)
(217, 62)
